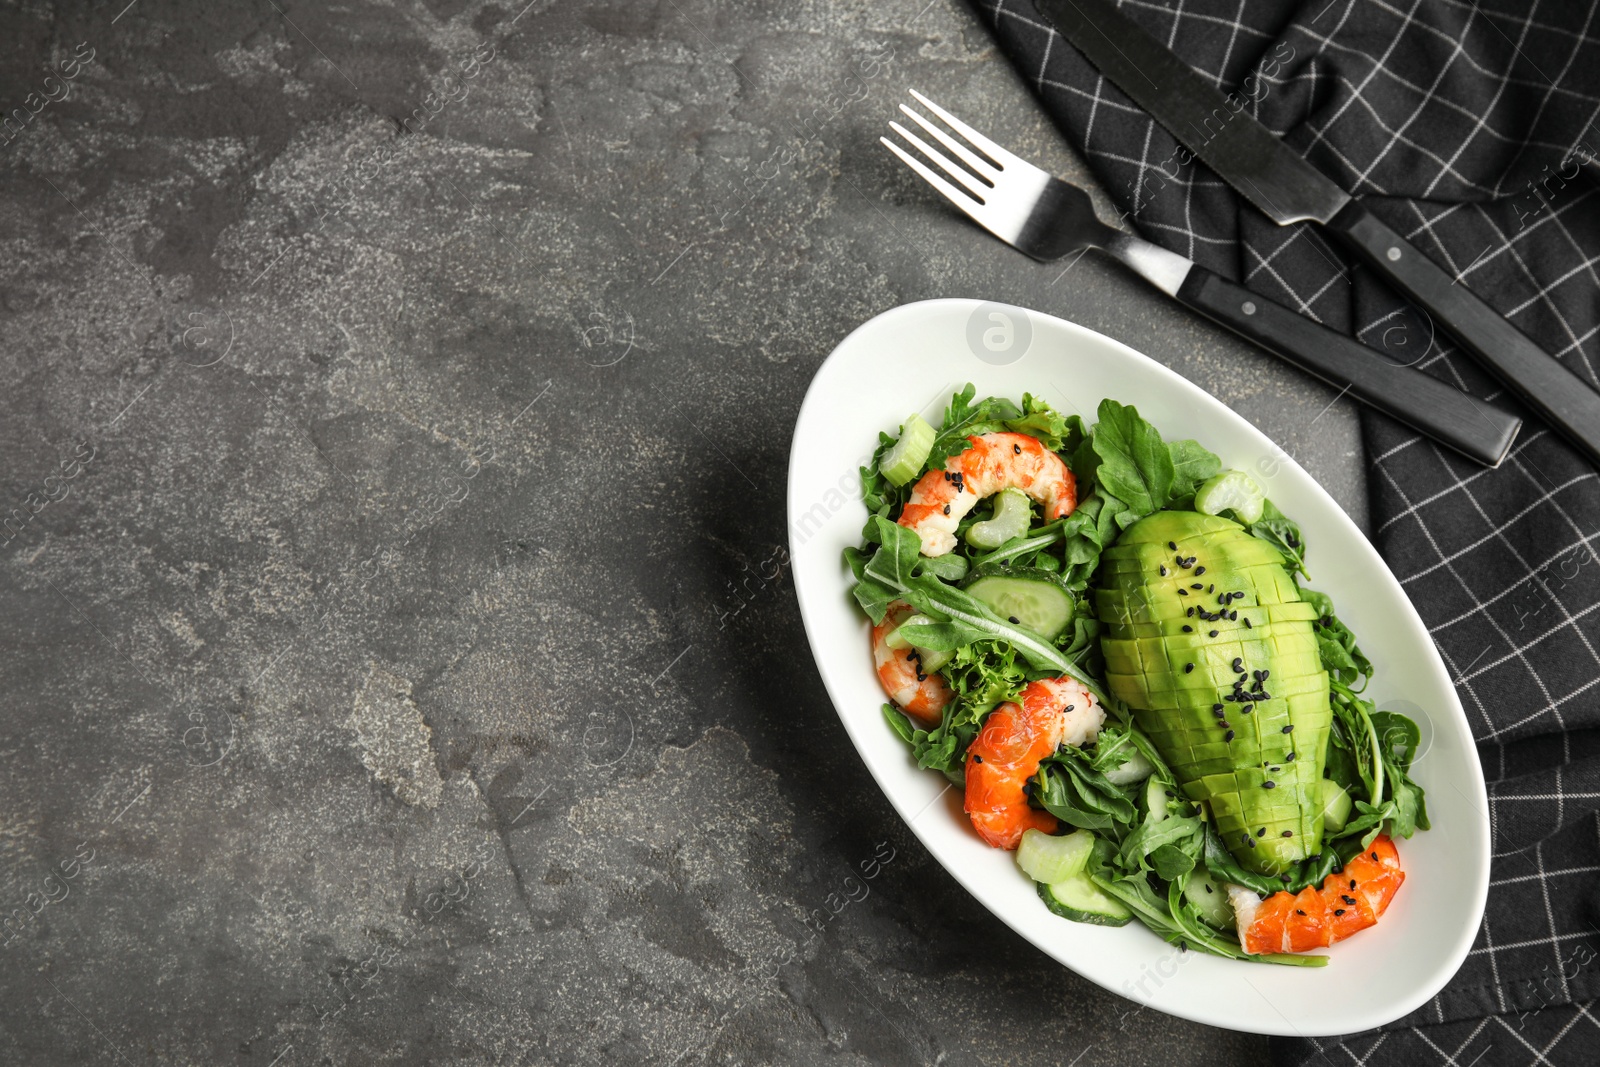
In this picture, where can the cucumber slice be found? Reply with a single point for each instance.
(1233, 491)
(932, 659)
(1335, 806)
(905, 459)
(1053, 859)
(1136, 769)
(1079, 899)
(1209, 898)
(1013, 511)
(1155, 798)
(1030, 598)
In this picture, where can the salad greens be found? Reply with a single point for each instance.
(1150, 842)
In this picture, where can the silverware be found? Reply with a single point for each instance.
(1047, 218)
(1273, 177)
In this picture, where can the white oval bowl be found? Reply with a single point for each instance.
(912, 358)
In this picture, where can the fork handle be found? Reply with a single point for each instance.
(1472, 427)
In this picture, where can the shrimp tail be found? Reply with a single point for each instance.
(1349, 901)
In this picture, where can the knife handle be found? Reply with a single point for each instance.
(1562, 399)
(1429, 406)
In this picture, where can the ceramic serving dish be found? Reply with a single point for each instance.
(910, 359)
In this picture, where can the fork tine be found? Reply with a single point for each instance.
(951, 193)
(986, 171)
(988, 147)
(977, 188)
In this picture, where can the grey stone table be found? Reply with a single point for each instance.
(399, 666)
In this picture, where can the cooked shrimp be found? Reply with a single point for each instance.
(918, 692)
(1348, 902)
(996, 461)
(1007, 751)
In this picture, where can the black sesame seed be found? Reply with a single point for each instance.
(1210, 890)
(1245, 836)
(1183, 592)
(1247, 622)
(921, 677)
(1348, 900)
(947, 509)
(1189, 614)
(1223, 723)
(1017, 449)
(1247, 709)
(1188, 668)
(1289, 758)
(1289, 729)
(1338, 911)
(1228, 736)
(1188, 629)
(1216, 707)
(1173, 545)
(1013, 618)
(1265, 674)
(1211, 633)
(1238, 665)
(1374, 857)
(1298, 911)
(1209, 588)
(1352, 883)
(1252, 843)
(1269, 785)
(1199, 570)
(1288, 833)
(1261, 832)
(1233, 616)
(1163, 570)
(1197, 585)
(978, 759)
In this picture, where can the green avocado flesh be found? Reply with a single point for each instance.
(1184, 599)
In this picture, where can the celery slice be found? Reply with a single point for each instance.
(1233, 491)
(902, 462)
(1012, 514)
(1053, 859)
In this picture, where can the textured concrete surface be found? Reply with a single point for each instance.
(399, 661)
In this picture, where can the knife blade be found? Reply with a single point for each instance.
(1287, 189)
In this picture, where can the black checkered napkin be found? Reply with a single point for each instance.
(1463, 126)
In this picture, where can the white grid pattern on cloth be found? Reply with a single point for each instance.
(1429, 107)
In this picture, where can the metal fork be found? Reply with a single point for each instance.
(1047, 218)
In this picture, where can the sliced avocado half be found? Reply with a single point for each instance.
(1239, 710)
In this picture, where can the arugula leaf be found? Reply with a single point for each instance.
(876, 492)
(1068, 788)
(898, 723)
(893, 568)
(963, 419)
(1135, 464)
(1177, 833)
(1340, 653)
(1278, 529)
(1220, 862)
(1192, 463)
